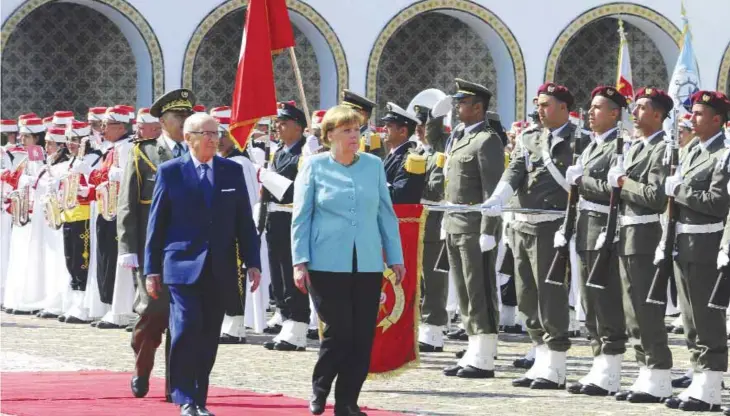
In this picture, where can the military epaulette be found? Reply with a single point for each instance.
(374, 141)
(440, 159)
(415, 164)
(300, 163)
(141, 140)
(531, 129)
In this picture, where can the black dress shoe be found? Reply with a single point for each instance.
(313, 334)
(452, 371)
(678, 330)
(272, 329)
(317, 405)
(229, 339)
(460, 354)
(269, 345)
(188, 410)
(623, 395)
(202, 411)
(46, 315)
(694, 405)
(94, 324)
(129, 328)
(473, 372)
(285, 346)
(140, 386)
(17, 312)
(543, 384)
(575, 388)
(108, 325)
(458, 334)
(522, 382)
(727, 411)
(641, 397)
(74, 320)
(593, 390)
(669, 328)
(681, 382)
(61, 318)
(423, 347)
(352, 410)
(523, 363)
(8, 310)
(574, 334)
(513, 329)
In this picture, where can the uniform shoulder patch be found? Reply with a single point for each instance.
(415, 164)
(440, 159)
(141, 140)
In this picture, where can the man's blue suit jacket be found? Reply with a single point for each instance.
(183, 231)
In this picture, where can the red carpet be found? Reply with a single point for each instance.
(106, 393)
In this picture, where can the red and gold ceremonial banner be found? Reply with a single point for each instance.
(267, 30)
(396, 336)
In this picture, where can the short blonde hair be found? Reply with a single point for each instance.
(339, 115)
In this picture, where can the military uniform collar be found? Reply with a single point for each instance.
(706, 144)
(171, 143)
(603, 137)
(473, 127)
(295, 149)
(560, 129)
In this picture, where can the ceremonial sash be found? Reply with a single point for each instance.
(395, 347)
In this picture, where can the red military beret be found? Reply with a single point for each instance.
(658, 97)
(611, 93)
(557, 91)
(716, 100)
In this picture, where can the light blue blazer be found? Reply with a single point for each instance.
(337, 208)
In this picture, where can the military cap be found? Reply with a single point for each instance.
(63, 117)
(32, 126)
(56, 134)
(611, 93)
(469, 89)
(398, 115)
(199, 108)
(660, 98)
(560, 92)
(176, 100)
(716, 100)
(317, 118)
(78, 129)
(421, 112)
(8, 126)
(96, 113)
(356, 101)
(288, 111)
(143, 116)
(222, 111)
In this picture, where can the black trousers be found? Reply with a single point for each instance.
(293, 304)
(106, 257)
(348, 304)
(509, 293)
(76, 249)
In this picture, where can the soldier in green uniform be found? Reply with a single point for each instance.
(474, 165)
(641, 179)
(603, 307)
(135, 197)
(369, 140)
(699, 190)
(535, 173)
(435, 284)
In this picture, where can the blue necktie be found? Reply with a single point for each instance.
(178, 151)
(205, 186)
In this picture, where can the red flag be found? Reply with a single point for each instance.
(267, 29)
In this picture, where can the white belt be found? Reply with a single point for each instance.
(427, 202)
(554, 172)
(536, 218)
(626, 220)
(274, 207)
(585, 205)
(699, 228)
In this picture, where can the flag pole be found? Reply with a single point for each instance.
(300, 85)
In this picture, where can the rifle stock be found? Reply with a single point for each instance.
(558, 272)
(598, 277)
(720, 297)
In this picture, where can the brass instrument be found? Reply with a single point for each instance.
(107, 193)
(52, 209)
(70, 183)
(20, 200)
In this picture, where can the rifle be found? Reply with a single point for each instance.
(265, 194)
(599, 272)
(720, 297)
(665, 267)
(559, 267)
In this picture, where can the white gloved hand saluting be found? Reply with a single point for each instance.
(442, 107)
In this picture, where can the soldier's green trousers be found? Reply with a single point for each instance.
(603, 307)
(435, 286)
(545, 305)
(644, 320)
(704, 327)
(476, 285)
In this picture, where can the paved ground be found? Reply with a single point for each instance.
(32, 344)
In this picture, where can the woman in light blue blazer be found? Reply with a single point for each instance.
(343, 224)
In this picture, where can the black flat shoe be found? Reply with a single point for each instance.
(202, 411)
(513, 329)
(641, 397)
(47, 315)
(575, 388)
(188, 410)
(94, 324)
(269, 345)
(62, 318)
(460, 354)
(74, 320)
(140, 386)
(473, 372)
(623, 395)
(694, 405)
(681, 382)
(423, 347)
(317, 405)
(352, 410)
(285, 346)
(522, 382)
(313, 334)
(593, 390)
(458, 335)
(272, 329)
(543, 384)
(108, 325)
(523, 363)
(452, 371)
(228, 339)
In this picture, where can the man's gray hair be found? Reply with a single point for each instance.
(195, 121)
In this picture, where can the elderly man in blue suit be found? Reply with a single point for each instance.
(200, 225)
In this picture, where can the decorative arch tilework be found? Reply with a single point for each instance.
(723, 77)
(476, 10)
(301, 8)
(121, 6)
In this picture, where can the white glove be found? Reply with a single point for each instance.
(312, 145)
(24, 181)
(722, 259)
(659, 254)
(256, 212)
(83, 191)
(559, 239)
(492, 207)
(128, 261)
(672, 183)
(728, 187)
(487, 242)
(82, 168)
(614, 174)
(115, 174)
(573, 173)
(442, 107)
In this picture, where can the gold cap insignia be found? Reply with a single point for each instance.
(551, 88)
(706, 98)
(184, 94)
(610, 91)
(648, 91)
(417, 108)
